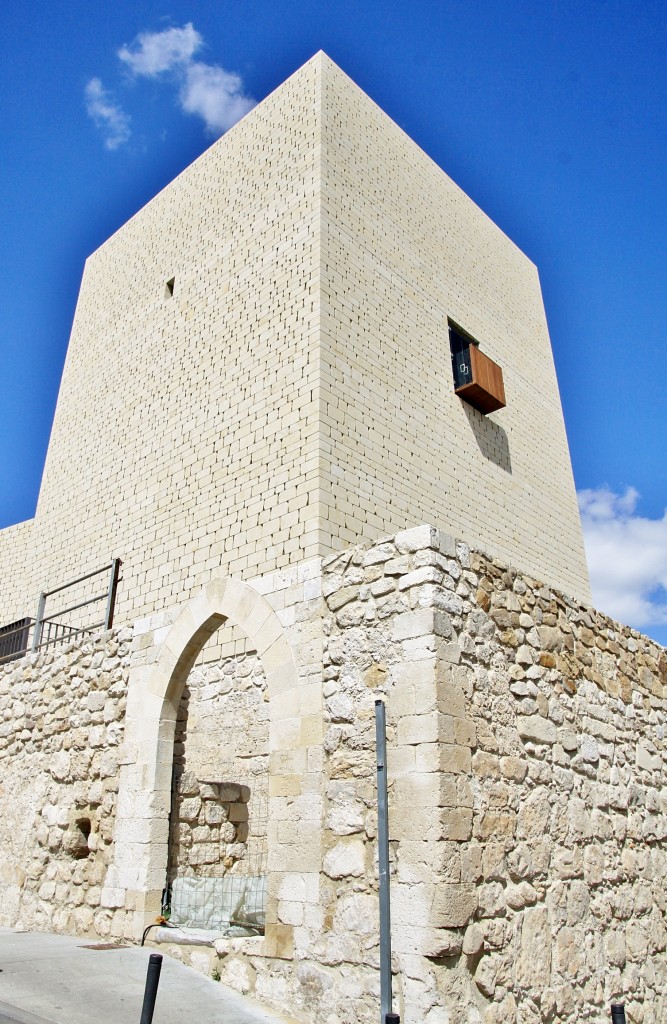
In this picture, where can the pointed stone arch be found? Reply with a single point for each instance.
(136, 879)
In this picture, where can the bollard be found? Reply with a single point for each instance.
(150, 992)
(618, 1013)
(392, 1018)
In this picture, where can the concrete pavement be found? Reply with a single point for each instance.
(55, 979)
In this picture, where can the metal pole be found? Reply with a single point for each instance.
(37, 629)
(111, 596)
(618, 1013)
(150, 992)
(383, 862)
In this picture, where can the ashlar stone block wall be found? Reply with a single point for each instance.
(295, 392)
(404, 252)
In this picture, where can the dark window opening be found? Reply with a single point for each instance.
(459, 343)
(477, 379)
(14, 639)
(169, 290)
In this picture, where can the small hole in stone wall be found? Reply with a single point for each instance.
(169, 290)
(81, 831)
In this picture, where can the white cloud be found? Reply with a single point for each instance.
(627, 557)
(154, 52)
(107, 115)
(206, 90)
(215, 95)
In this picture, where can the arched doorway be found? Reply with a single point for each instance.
(218, 843)
(136, 879)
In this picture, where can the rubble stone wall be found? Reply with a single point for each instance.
(61, 725)
(528, 814)
(526, 766)
(567, 848)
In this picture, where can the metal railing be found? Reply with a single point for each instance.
(46, 631)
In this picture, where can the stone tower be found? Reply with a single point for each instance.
(310, 402)
(260, 370)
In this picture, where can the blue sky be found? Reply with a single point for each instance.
(550, 115)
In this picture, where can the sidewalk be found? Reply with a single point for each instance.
(55, 979)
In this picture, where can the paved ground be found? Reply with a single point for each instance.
(54, 979)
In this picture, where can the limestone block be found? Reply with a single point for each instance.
(342, 597)
(534, 814)
(257, 616)
(536, 729)
(494, 824)
(422, 757)
(278, 942)
(646, 760)
(215, 814)
(614, 947)
(455, 824)
(268, 634)
(290, 913)
(96, 700)
(426, 941)
(345, 860)
(533, 965)
(83, 918)
(473, 940)
(513, 768)
(519, 896)
(414, 624)
(288, 762)
(284, 734)
(284, 785)
(455, 759)
(341, 707)
(189, 808)
(454, 903)
(636, 941)
(551, 639)
(451, 689)
(426, 789)
(204, 853)
(346, 817)
(60, 766)
(486, 977)
(417, 538)
(589, 749)
(358, 914)
(281, 680)
(277, 655)
(426, 574)
(112, 897)
(238, 974)
(420, 675)
(568, 739)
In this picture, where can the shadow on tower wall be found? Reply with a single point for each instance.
(491, 438)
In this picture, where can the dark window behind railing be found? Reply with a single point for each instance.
(64, 624)
(14, 639)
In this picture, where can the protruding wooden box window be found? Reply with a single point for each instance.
(477, 379)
